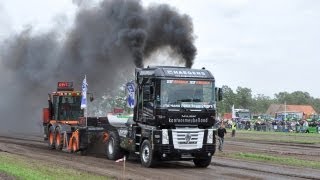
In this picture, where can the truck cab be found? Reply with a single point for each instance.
(174, 115)
(65, 126)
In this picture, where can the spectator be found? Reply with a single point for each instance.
(248, 125)
(221, 132)
(305, 125)
(233, 128)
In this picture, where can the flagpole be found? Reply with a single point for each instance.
(86, 109)
(86, 114)
(285, 110)
(124, 167)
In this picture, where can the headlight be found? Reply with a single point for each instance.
(165, 136)
(210, 136)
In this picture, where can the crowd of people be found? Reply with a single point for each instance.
(262, 125)
(273, 125)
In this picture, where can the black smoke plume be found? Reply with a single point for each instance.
(105, 43)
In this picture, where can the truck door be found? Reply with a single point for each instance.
(148, 103)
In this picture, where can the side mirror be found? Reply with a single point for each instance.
(219, 93)
(91, 98)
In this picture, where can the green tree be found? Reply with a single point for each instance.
(282, 97)
(260, 104)
(243, 98)
(297, 97)
(316, 104)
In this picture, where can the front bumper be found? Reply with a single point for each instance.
(167, 152)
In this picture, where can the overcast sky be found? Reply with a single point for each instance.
(269, 46)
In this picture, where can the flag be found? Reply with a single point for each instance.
(131, 94)
(84, 93)
(233, 112)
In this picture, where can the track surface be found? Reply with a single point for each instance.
(223, 168)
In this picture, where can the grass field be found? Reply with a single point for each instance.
(275, 157)
(300, 138)
(276, 160)
(23, 168)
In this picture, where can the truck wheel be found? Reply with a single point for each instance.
(146, 155)
(112, 148)
(58, 139)
(51, 140)
(203, 163)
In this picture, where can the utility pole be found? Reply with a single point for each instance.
(285, 110)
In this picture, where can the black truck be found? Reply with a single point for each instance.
(173, 117)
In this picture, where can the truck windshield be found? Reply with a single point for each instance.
(187, 93)
(70, 107)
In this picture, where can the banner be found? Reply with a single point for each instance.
(131, 95)
(84, 93)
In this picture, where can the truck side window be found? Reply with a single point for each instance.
(55, 107)
(147, 92)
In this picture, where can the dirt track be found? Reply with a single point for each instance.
(222, 168)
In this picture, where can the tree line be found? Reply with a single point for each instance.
(243, 98)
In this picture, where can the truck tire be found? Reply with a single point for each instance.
(214, 145)
(112, 147)
(202, 163)
(58, 139)
(51, 138)
(146, 154)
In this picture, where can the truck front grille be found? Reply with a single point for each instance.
(187, 138)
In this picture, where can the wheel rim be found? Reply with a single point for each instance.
(111, 145)
(145, 153)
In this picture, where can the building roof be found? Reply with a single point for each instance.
(306, 109)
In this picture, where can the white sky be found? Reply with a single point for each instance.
(269, 46)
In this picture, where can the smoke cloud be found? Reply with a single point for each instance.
(105, 43)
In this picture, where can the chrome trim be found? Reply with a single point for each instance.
(187, 138)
